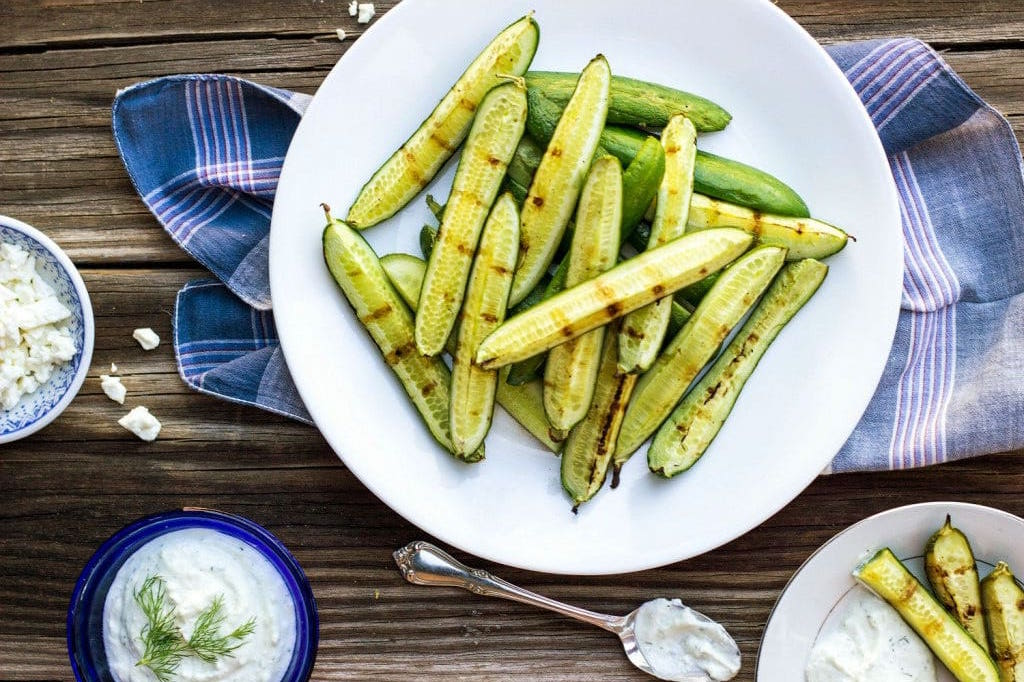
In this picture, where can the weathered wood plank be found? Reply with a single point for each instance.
(27, 23)
(62, 173)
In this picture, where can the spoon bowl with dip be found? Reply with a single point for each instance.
(662, 637)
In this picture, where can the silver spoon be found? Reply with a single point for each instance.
(421, 563)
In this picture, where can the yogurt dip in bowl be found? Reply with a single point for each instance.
(192, 595)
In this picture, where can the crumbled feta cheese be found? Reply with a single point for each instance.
(113, 387)
(366, 12)
(353, 8)
(341, 33)
(113, 368)
(34, 335)
(140, 422)
(147, 338)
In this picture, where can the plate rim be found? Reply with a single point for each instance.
(949, 505)
(888, 313)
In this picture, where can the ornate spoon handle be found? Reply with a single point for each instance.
(422, 563)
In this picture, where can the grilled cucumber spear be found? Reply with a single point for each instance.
(416, 162)
(559, 177)
(1004, 610)
(525, 402)
(638, 103)
(660, 388)
(358, 272)
(953, 574)
(626, 287)
(496, 131)
(486, 300)
(684, 437)
(571, 369)
(589, 447)
(643, 330)
(887, 577)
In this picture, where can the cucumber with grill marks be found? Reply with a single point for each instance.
(416, 162)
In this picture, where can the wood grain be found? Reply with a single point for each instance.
(69, 487)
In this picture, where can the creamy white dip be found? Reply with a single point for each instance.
(197, 565)
(865, 640)
(677, 641)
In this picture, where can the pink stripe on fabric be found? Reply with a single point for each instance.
(876, 58)
(896, 460)
(225, 134)
(914, 277)
(911, 60)
(211, 108)
(936, 70)
(246, 140)
(879, 85)
(934, 254)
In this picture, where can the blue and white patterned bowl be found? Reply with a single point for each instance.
(37, 409)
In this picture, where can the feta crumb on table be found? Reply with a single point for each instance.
(34, 336)
(366, 12)
(140, 422)
(341, 33)
(113, 368)
(147, 338)
(113, 387)
(353, 8)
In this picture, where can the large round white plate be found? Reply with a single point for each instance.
(824, 579)
(794, 115)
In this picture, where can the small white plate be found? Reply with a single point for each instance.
(794, 115)
(824, 579)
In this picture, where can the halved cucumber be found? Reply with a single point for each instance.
(559, 177)
(486, 300)
(358, 272)
(589, 448)
(1003, 601)
(953, 574)
(524, 402)
(416, 162)
(496, 131)
(696, 421)
(571, 369)
(659, 389)
(886, 576)
(643, 330)
(626, 287)
(803, 237)
(638, 103)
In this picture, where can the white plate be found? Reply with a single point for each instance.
(824, 579)
(794, 115)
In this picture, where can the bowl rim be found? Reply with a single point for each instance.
(88, 324)
(259, 538)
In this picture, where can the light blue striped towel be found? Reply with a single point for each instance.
(205, 152)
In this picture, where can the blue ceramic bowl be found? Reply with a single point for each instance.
(39, 408)
(85, 615)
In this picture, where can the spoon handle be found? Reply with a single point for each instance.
(421, 563)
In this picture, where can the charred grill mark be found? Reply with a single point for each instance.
(413, 167)
(703, 271)
(672, 149)
(712, 390)
(757, 223)
(397, 354)
(555, 151)
(427, 389)
(613, 309)
(538, 201)
(500, 269)
(489, 317)
(463, 249)
(633, 333)
(605, 292)
(441, 142)
(658, 289)
(567, 331)
(468, 105)
(378, 314)
(494, 161)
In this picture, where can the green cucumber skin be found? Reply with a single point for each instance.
(638, 103)
(723, 382)
(713, 175)
(640, 181)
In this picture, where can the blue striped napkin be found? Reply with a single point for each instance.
(205, 152)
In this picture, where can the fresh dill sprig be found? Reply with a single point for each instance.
(164, 644)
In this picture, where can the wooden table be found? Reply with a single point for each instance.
(70, 486)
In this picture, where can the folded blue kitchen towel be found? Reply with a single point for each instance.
(954, 383)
